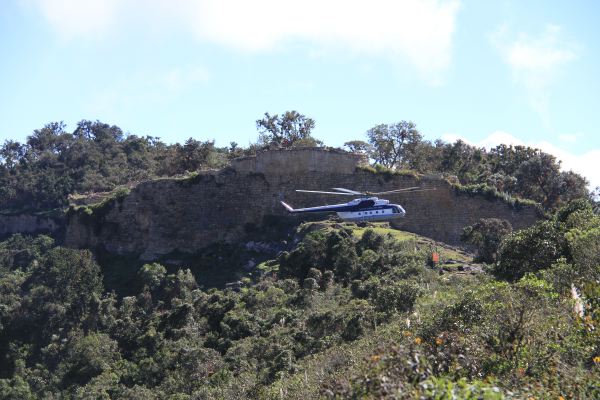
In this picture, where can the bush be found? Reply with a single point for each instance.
(486, 234)
(530, 250)
(397, 297)
(584, 248)
(152, 275)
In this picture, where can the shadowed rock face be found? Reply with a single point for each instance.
(166, 215)
(29, 224)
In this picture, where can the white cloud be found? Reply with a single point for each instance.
(417, 31)
(75, 18)
(584, 164)
(570, 138)
(536, 61)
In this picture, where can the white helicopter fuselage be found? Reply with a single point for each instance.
(382, 210)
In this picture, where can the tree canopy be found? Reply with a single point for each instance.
(286, 130)
(517, 170)
(53, 163)
(392, 143)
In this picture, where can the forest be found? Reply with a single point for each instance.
(346, 311)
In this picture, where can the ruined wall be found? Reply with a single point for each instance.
(299, 161)
(28, 224)
(167, 215)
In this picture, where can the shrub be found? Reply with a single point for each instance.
(397, 296)
(584, 248)
(486, 234)
(530, 250)
(152, 275)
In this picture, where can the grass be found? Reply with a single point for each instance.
(384, 229)
(446, 252)
(93, 214)
(389, 173)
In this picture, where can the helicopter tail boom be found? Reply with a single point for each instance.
(288, 207)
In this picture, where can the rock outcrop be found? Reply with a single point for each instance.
(166, 215)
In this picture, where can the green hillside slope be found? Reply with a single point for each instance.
(347, 311)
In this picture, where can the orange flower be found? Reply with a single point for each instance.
(418, 340)
(597, 359)
(375, 358)
(561, 398)
(439, 341)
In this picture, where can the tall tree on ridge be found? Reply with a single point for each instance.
(289, 129)
(392, 142)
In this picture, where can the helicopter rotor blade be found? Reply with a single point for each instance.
(348, 191)
(410, 189)
(321, 192)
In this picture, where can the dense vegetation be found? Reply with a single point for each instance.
(53, 163)
(349, 311)
(520, 171)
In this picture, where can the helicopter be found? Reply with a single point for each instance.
(365, 208)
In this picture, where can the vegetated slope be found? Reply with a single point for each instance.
(349, 311)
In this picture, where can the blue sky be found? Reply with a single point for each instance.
(506, 71)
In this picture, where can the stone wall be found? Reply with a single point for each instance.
(299, 161)
(29, 224)
(166, 215)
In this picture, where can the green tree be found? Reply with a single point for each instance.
(392, 142)
(152, 275)
(358, 146)
(88, 357)
(486, 234)
(530, 250)
(286, 130)
(463, 160)
(62, 292)
(538, 178)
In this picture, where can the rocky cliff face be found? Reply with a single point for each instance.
(162, 216)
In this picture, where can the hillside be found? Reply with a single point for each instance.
(132, 269)
(348, 311)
